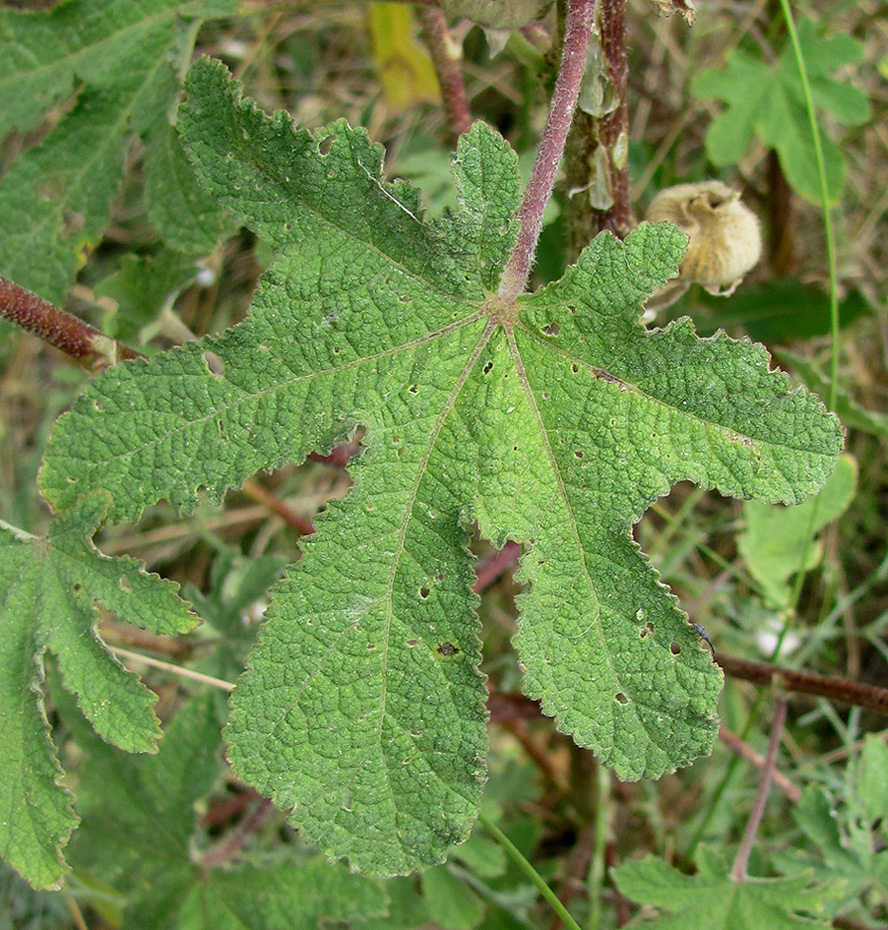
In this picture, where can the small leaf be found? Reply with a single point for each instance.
(711, 899)
(776, 539)
(50, 591)
(873, 782)
(451, 903)
(838, 844)
(769, 101)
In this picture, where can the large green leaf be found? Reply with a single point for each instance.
(555, 422)
(49, 592)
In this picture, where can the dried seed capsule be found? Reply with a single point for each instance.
(725, 241)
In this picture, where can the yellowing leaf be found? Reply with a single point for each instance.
(404, 66)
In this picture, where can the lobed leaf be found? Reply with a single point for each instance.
(768, 100)
(554, 422)
(712, 899)
(51, 588)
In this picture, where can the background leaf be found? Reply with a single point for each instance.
(139, 824)
(768, 101)
(109, 58)
(51, 589)
(713, 900)
(776, 540)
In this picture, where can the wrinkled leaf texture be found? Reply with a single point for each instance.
(554, 422)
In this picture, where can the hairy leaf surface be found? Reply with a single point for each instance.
(50, 590)
(554, 422)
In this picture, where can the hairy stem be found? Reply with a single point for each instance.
(446, 60)
(738, 872)
(66, 332)
(542, 178)
(596, 157)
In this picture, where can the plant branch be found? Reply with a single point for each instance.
(746, 752)
(490, 571)
(596, 157)
(517, 857)
(261, 495)
(542, 179)
(63, 330)
(855, 693)
(872, 697)
(446, 60)
(175, 669)
(225, 851)
(738, 872)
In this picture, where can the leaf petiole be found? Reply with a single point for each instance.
(542, 178)
(517, 857)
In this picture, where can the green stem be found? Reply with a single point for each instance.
(833, 279)
(834, 370)
(824, 199)
(516, 856)
(598, 865)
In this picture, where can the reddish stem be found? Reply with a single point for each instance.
(446, 60)
(490, 571)
(263, 496)
(832, 687)
(828, 686)
(225, 851)
(63, 330)
(542, 179)
(745, 751)
(739, 871)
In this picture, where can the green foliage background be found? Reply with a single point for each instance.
(146, 849)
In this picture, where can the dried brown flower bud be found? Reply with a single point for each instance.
(725, 240)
